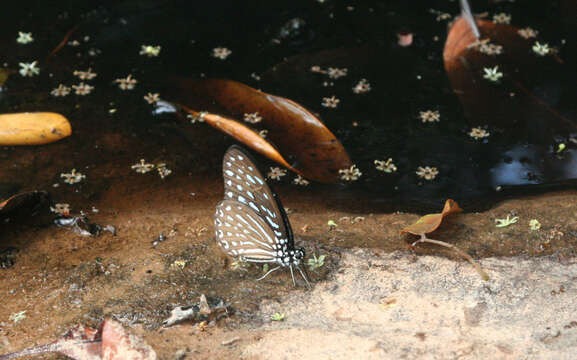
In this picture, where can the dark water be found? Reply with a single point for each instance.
(278, 42)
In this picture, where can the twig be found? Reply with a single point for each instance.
(425, 239)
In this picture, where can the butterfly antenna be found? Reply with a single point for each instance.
(267, 274)
(304, 276)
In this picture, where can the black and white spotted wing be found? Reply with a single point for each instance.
(244, 183)
(240, 232)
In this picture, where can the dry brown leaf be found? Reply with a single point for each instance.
(431, 222)
(302, 140)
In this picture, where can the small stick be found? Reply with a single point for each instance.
(425, 239)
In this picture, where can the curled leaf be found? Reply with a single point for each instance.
(35, 128)
(431, 222)
(302, 140)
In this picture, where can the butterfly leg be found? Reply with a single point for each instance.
(293, 275)
(304, 276)
(265, 275)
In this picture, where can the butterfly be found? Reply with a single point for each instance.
(250, 223)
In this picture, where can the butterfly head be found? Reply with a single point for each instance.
(297, 255)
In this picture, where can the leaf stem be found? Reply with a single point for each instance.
(425, 239)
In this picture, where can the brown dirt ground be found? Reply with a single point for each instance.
(61, 279)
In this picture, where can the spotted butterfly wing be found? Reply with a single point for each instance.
(250, 222)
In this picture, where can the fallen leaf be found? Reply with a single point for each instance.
(36, 128)
(304, 143)
(519, 101)
(109, 342)
(431, 222)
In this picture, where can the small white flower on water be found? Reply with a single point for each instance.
(62, 209)
(221, 53)
(85, 75)
(299, 180)
(252, 118)
(196, 118)
(142, 167)
(24, 38)
(541, 49)
(72, 177)
(29, 69)
(335, 73)
(150, 50)
(486, 47)
(430, 116)
(479, 133)
(502, 18)
(152, 98)
(331, 102)
(492, 74)
(386, 166)
(427, 173)
(263, 133)
(126, 83)
(163, 171)
(61, 90)
(82, 89)
(362, 87)
(350, 174)
(74, 43)
(276, 173)
(527, 33)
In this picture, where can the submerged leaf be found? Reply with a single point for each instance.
(519, 100)
(304, 143)
(431, 222)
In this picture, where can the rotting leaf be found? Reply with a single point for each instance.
(109, 342)
(517, 100)
(430, 223)
(302, 140)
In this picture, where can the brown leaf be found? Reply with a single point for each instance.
(304, 143)
(513, 102)
(431, 222)
(243, 134)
